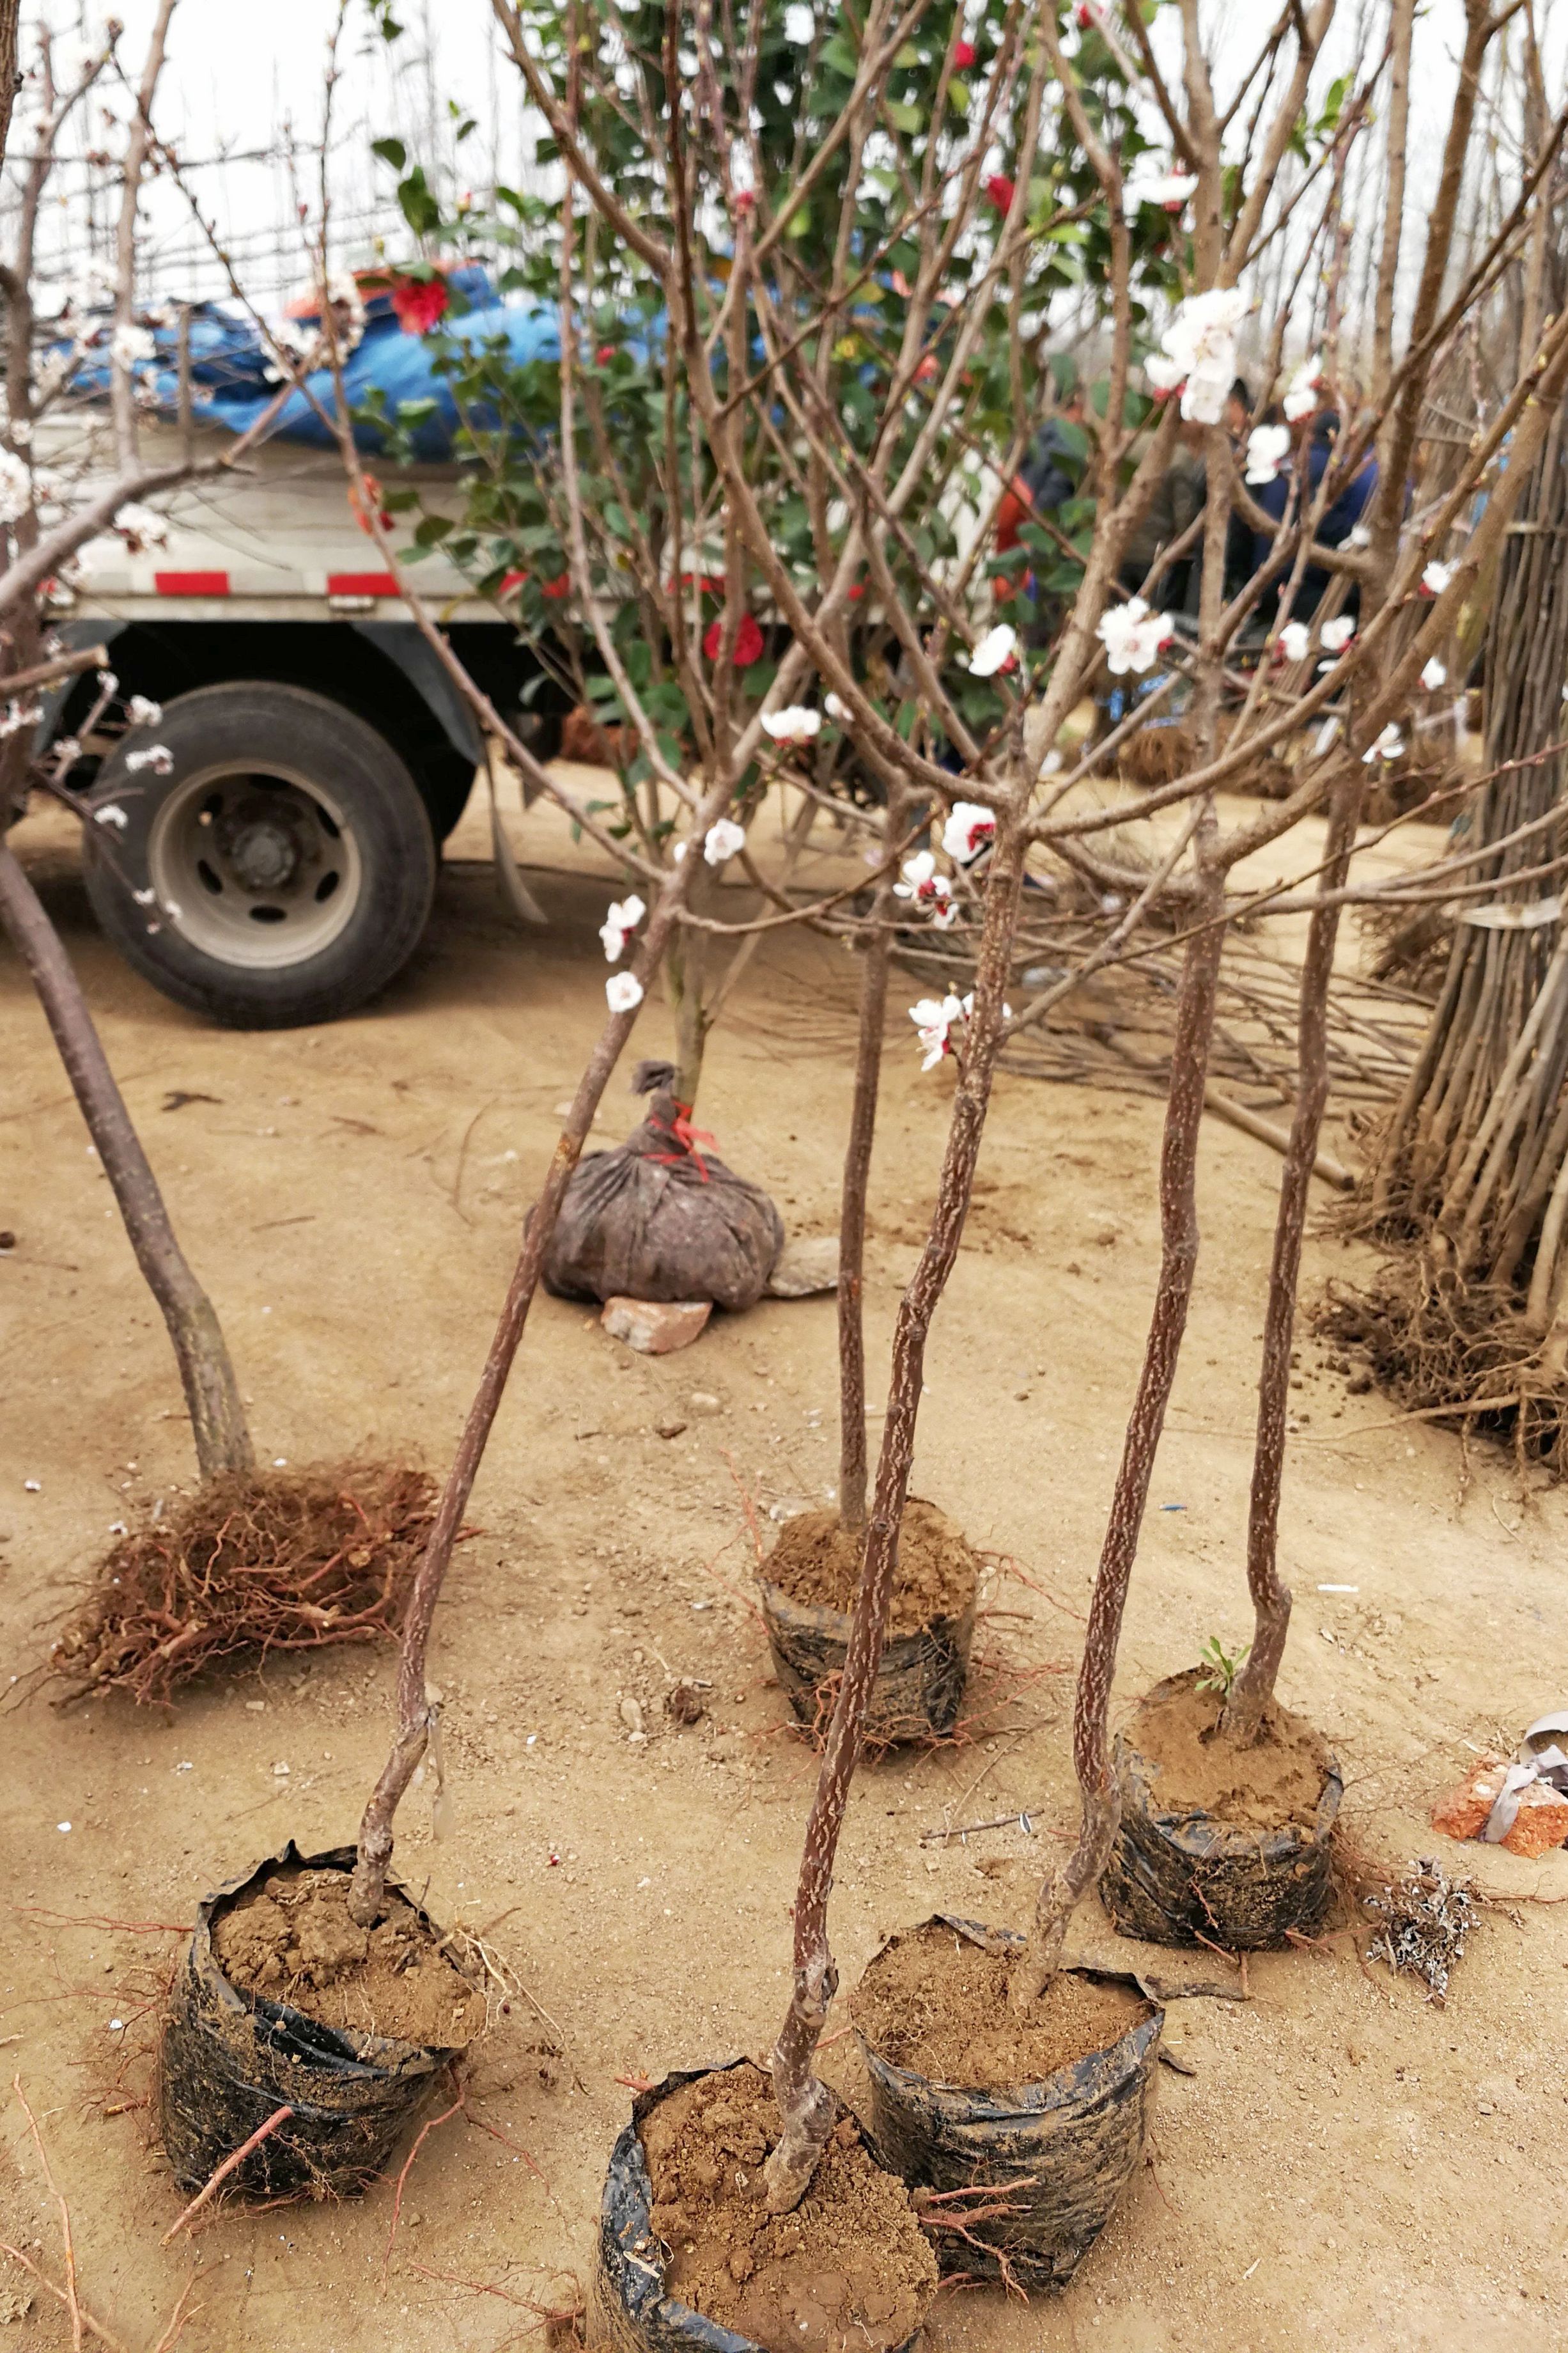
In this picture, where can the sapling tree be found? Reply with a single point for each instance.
(1409, 601)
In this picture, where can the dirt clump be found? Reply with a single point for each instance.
(1197, 1768)
(849, 2268)
(254, 1561)
(817, 1562)
(292, 1939)
(936, 2004)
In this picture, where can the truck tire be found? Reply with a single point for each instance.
(281, 871)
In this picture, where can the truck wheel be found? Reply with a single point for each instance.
(281, 871)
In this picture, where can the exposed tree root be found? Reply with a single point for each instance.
(1437, 1342)
(253, 1562)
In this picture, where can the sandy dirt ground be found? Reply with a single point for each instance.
(1349, 2167)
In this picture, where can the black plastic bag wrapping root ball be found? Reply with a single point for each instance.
(231, 2060)
(630, 2308)
(1060, 2152)
(660, 1218)
(1178, 1876)
(920, 1677)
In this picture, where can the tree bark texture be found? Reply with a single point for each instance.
(856, 1177)
(212, 1393)
(805, 2104)
(1100, 1810)
(1254, 1687)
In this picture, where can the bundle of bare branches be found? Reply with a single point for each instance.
(251, 1562)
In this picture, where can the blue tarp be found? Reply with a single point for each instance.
(231, 384)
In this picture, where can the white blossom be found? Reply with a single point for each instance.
(16, 488)
(1326, 734)
(1388, 747)
(1133, 635)
(111, 814)
(623, 992)
(142, 527)
(1435, 579)
(1168, 190)
(928, 888)
(1268, 447)
(156, 756)
(141, 712)
(344, 294)
(793, 725)
(1337, 635)
(933, 1017)
(1435, 675)
(129, 343)
(996, 650)
(1294, 639)
(969, 830)
(1361, 536)
(722, 840)
(834, 708)
(799, 25)
(1198, 352)
(72, 58)
(618, 926)
(18, 715)
(1301, 392)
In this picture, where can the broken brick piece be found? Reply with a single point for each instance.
(1541, 1822)
(655, 1327)
(1463, 1812)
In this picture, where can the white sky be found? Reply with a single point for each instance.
(229, 92)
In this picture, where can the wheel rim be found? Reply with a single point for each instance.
(256, 867)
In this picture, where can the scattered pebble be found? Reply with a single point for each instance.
(62, 1826)
(33, 1487)
(280, 1772)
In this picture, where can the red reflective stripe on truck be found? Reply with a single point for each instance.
(191, 584)
(361, 583)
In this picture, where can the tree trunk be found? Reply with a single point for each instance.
(856, 1177)
(805, 2104)
(416, 1710)
(1194, 1029)
(1254, 1687)
(212, 1393)
(1473, 1151)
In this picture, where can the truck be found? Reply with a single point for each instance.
(274, 862)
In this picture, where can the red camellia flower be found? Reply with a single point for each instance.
(418, 303)
(748, 642)
(557, 588)
(604, 354)
(1000, 190)
(964, 55)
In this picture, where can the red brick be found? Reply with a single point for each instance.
(1462, 1813)
(1541, 1822)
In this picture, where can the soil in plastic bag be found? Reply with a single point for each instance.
(660, 1218)
(807, 1586)
(1217, 1842)
(689, 2255)
(291, 1937)
(327, 2035)
(1039, 2124)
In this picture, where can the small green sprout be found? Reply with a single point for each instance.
(1220, 1668)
